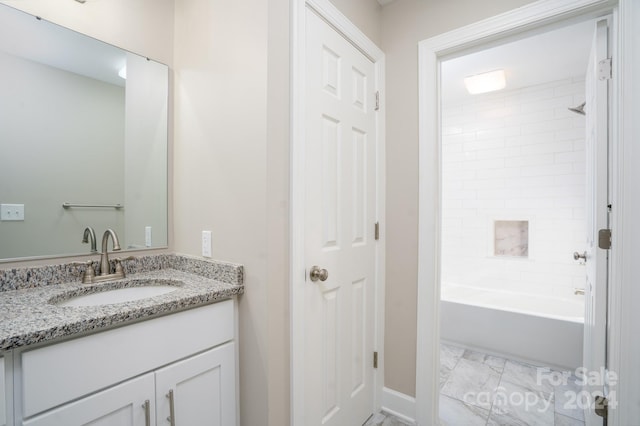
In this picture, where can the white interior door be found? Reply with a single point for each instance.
(340, 169)
(597, 136)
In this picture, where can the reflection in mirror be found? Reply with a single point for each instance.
(81, 122)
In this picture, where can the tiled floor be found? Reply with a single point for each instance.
(384, 419)
(479, 389)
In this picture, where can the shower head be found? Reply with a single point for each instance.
(579, 109)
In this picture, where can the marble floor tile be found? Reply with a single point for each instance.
(519, 405)
(456, 413)
(473, 383)
(444, 376)
(394, 421)
(496, 363)
(496, 419)
(375, 420)
(449, 357)
(526, 375)
(567, 421)
(384, 419)
(567, 397)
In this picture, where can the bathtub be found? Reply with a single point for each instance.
(535, 329)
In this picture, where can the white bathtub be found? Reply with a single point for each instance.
(536, 329)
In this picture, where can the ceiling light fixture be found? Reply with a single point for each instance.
(485, 82)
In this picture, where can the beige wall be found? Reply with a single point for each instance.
(220, 167)
(404, 24)
(365, 14)
(278, 125)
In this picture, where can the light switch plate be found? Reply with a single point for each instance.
(11, 212)
(206, 243)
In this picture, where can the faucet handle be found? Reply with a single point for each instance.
(89, 273)
(119, 260)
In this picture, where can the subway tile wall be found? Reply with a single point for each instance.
(515, 155)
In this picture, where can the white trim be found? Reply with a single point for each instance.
(624, 294)
(528, 17)
(297, 191)
(381, 175)
(400, 405)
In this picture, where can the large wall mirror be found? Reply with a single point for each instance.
(83, 141)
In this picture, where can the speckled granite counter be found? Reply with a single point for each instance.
(28, 314)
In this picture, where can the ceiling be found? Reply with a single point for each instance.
(385, 2)
(542, 58)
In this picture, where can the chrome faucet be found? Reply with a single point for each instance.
(89, 274)
(90, 235)
(105, 268)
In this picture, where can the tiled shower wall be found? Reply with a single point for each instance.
(518, 156)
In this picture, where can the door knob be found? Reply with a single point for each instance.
(578, 256)
(318, 274)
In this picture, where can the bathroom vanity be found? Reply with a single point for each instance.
(169, 359)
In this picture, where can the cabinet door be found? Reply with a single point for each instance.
(3, 396)
(201, 389)
(128, 404)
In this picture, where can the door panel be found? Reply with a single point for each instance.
(597, 133)
(340, 127)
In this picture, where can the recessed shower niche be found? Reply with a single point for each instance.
(511, 238)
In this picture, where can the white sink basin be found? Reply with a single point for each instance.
(118, 295)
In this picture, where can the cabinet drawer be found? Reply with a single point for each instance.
(62, 372)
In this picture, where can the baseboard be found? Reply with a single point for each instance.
(399, 404)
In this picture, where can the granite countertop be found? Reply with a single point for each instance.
(29, 315)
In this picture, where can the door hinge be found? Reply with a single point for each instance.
(377, 231)
(375, 360)
(604, 239)
(377, 100)
(601, 406)
(604, 69)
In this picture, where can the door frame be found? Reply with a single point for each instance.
(625, 105)
(347, 29)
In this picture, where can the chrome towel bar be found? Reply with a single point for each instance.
(112, 206)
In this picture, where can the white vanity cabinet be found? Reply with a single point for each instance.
(196, 391)
(184, 363)
(128, 404)
(3, 394)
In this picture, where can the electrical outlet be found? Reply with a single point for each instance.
(147, 236)
(11, 212)
(206, 243)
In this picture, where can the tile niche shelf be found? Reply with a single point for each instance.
(511, 238)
